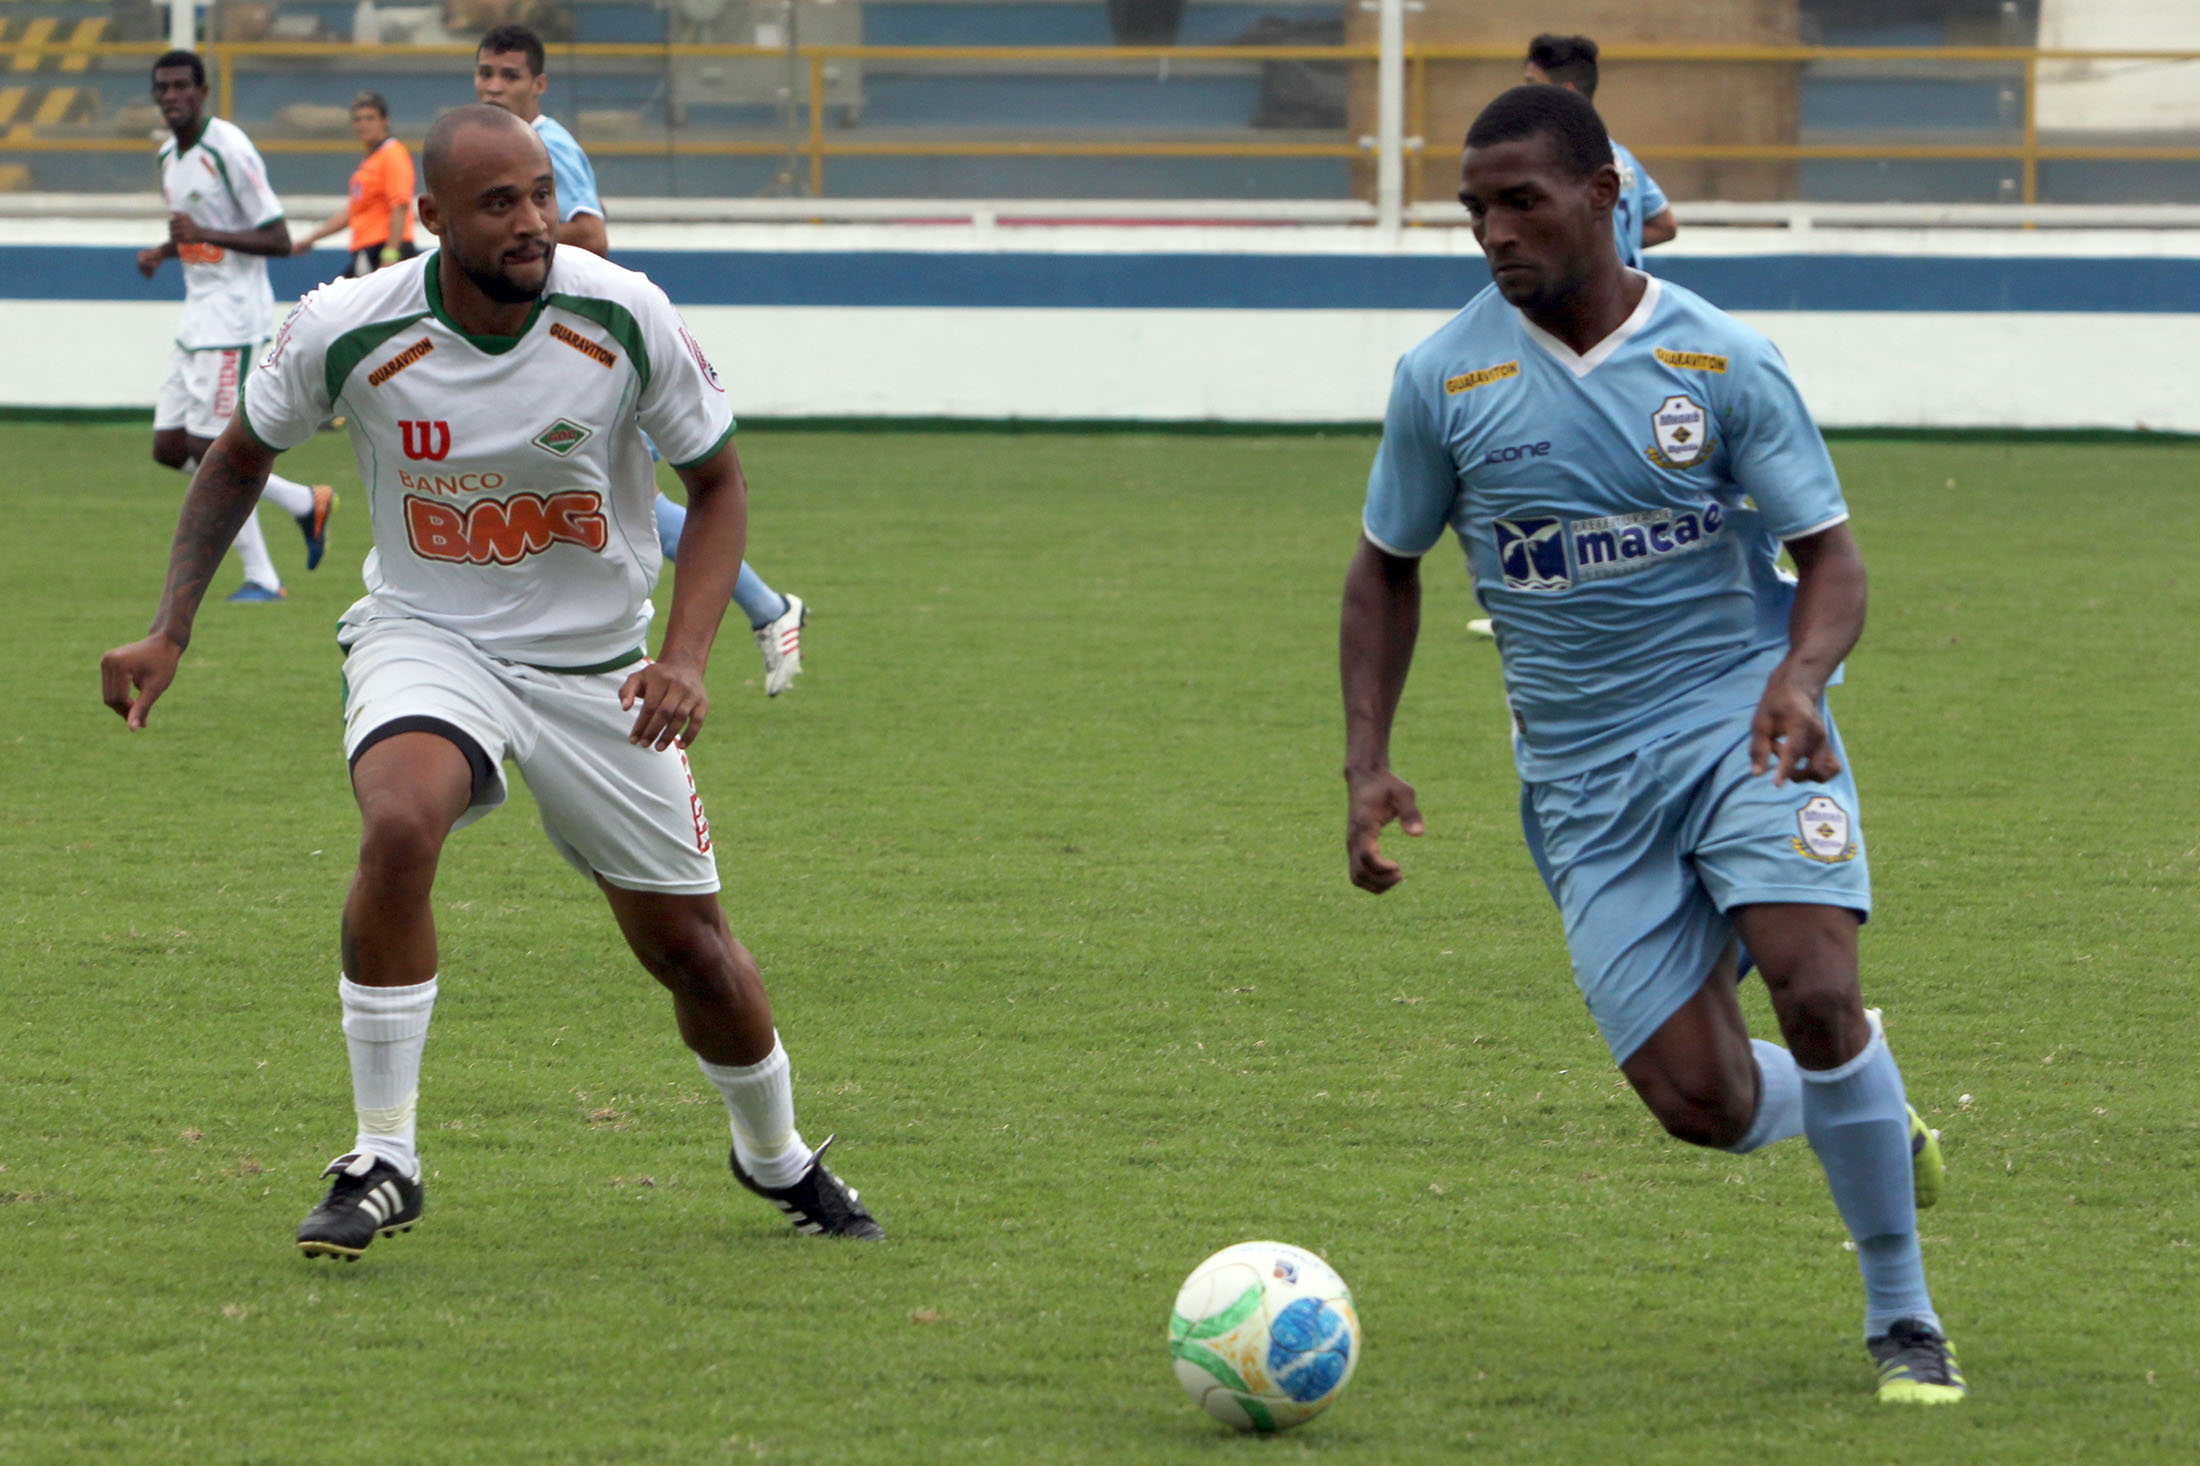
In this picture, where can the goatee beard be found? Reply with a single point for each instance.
(504, 290)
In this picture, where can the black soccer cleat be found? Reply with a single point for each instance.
(1917, 1365)
(819, 1203)
(370, 1196)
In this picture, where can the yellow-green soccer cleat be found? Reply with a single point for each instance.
(1925, 1166)
(1917, 1365)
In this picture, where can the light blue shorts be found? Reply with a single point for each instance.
(1646, 855)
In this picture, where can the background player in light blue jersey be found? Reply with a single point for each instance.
(1623, 464)
(509, 73)
(1642, 218)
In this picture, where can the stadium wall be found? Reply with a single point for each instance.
(1885, 328)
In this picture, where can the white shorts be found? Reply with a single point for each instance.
(199, 394)
(629, 815)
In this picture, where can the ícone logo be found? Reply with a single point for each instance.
(562, 437)
(1823, 831)
(1683, 432)
(430, 440)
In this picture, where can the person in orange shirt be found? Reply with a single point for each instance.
(380, 212)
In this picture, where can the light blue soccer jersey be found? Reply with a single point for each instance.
(575, 179)
(1640, 199)
(1622, 511)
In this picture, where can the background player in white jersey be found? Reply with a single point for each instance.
(496, 392)
(1641, 218)
(1623, 464)
(224, 221)
(508, 73)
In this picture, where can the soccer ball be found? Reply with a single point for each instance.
(1264, 1336)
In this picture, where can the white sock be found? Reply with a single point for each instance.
(760, 1101)
(288, 495)
(252, 550)
(386, 1028)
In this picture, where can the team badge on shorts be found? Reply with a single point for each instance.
(1823, 831)
(1682, 429)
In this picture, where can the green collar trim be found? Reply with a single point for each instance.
(492, 345)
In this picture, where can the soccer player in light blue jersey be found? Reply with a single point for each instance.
(1642, 218)
(509, 73)
(1623, 464)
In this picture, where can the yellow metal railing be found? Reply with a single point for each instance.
(817, 145)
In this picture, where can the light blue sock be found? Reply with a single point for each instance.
(1859, 1124)
(671, 519)
(1779, 1099)
(757, 600)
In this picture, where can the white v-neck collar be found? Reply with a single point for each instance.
(1583, 363)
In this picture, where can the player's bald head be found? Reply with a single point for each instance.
(464, 135)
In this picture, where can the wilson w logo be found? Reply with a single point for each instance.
(504, 531)
(431, 440)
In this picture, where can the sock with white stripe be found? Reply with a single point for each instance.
(760, 1101)
(288, 495)
(386, 1029)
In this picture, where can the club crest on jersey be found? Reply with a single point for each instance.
(1682, 429)
(1532, 553)
(1823, 831)
(562, 437)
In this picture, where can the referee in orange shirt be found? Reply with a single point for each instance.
(380, 212)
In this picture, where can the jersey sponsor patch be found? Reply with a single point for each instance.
(399, 362)
(562, 437)
(429, 440)
(1546, 553)
(1693, 361)
(1682, 429)
(1823, 831)
(1468, 381)
(505, 531)
(601, 355)
(1533, 553)
(1621, 544)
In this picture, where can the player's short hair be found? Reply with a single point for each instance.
(372, 101)
(1566, 60)
(1575, 130)
(513, 38)
(436, 152)
(191, 59)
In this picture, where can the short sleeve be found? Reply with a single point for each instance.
(1654, 201)
(397, 176)
(1778, 457)
(683, 406)
(1411, 489)
(285, 399)
(255, 196)
(576, 180)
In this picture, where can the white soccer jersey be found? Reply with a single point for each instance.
(221, 183)
(512, 491)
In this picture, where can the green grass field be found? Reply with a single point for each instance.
(1042, 859)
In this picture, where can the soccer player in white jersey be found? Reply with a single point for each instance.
(1623, 464)
(496, 392)
(224, 221)
(508, 73)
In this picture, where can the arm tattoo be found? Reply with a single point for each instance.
(222, 493)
